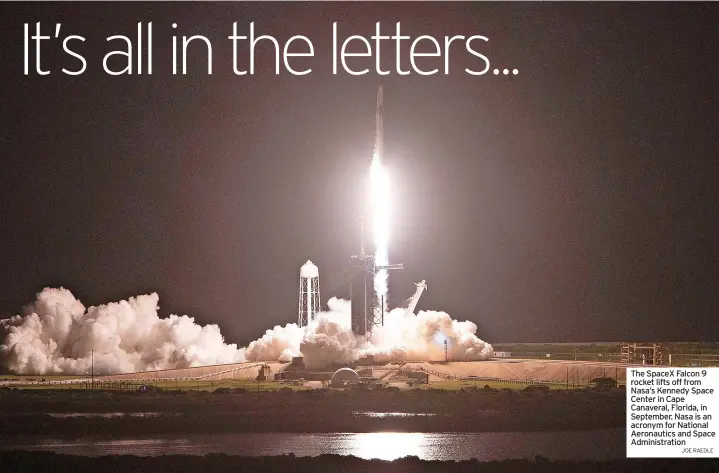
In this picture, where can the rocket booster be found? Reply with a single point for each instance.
(378, 126)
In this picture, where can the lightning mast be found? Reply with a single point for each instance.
(309, 300)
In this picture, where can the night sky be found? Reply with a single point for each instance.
(576, 201)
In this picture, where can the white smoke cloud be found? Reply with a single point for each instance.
(329, 338)
(404, 337)
(57, 335)
(277, 344)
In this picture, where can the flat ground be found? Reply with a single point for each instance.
(454, 401)
(500, 373)
(525, 370)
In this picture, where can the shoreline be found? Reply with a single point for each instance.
(42, 461)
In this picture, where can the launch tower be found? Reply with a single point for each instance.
(367, 310)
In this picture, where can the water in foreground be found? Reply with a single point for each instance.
(605, 444)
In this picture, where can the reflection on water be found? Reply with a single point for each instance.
(587, 445)
(390, 445)
(104, 415)
(392, 414)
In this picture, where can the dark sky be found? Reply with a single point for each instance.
(576, 201)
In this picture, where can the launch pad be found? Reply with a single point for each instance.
(367, 309)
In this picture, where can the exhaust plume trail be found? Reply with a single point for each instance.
(380, 200)
(380, 194)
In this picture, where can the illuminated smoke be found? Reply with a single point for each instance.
(58, 335)
(278, 344)
(329, 339)
(404, 337)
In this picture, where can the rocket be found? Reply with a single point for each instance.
(377, 161)
(378, 126)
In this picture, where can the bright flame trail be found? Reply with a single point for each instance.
(380, 193)
(380, 198)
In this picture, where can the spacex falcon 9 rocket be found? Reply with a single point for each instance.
(368, 289)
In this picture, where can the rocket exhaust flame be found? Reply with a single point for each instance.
(380, 199)
(380, 195)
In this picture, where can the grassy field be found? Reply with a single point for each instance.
(683, 353)
(184, 385)
(248, 385)
(46, 377)
(455, 384)
(252, 385)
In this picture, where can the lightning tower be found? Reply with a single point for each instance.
(309, 300)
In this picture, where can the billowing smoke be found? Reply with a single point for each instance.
(277, 344)
(403, 337)
(58, 335)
